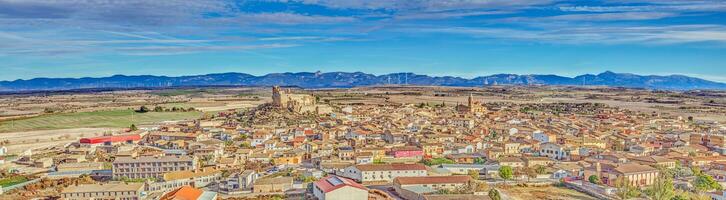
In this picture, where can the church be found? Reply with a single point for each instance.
(471, 106)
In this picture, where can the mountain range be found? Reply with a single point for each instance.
(355, 79)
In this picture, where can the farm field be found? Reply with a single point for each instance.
(5, 182)
(96, 119)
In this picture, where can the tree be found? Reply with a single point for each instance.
(479, 160)
(530, 172)
(594, 179)
(494, 194)
(705, 182)
(540, 169)
(474, 174)
(505, 172)
(158, 109)
(133, 127)
(142, 109)
(625, 189)
(662, 188)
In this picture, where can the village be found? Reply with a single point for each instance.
(313, 145)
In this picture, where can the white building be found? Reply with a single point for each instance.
(543, 137)
(334, 188)
(554, 151)
(383, 172)
(718, 195)
(238, 182)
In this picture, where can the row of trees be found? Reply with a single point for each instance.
(144, 109)
(508, 173)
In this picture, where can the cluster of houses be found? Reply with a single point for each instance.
(415, 150)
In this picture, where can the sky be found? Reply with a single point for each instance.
(467, 38)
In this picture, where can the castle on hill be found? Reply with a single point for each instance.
(298, 103)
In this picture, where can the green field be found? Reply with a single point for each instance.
(98, 119)
(5, 182)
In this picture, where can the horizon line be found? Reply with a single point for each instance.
(375, 74)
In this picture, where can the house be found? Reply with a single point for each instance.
(513, 162)
(110, 140)
(259, 137)
(534, 161)
(335, 187)
(238, 181)
(464, 158)
(718, 195)
(383, 172)
(124, 191)
(173, 136)
(543, 137)
(655, 161)
(462, 168)
(189, 193)
(432, 150)
(407, 152)
(393, 138)
(554, 151)
(567, 170)
(363, 158)
(151, 166)
(346, 153)
(636, 174)
(414, 188)
(278, 184)
(198, 178)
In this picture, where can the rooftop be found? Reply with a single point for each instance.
(331, 183)
(431, 180)
(390, 167)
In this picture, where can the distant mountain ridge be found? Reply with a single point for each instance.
(355, 79)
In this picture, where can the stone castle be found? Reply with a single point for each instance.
(299, 103)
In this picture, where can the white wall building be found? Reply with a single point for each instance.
(383, 172)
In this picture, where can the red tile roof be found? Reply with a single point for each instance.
(331, 183)
(115, 138)
(183, 193)
(390, 167)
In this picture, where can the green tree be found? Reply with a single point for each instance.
(540, 169)
(705, 182)
(494, 194)
(474, 174)
(133, 127)
(625, 189)
(662, 188)
(679, 197)
(143, 109)
(158, 109)
(594, 179)
(506, 173)
(479, 160)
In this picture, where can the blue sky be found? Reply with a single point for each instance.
(468, 38)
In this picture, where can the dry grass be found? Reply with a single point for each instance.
(545, 193)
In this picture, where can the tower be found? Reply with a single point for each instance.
(471, 100)
(276, 96)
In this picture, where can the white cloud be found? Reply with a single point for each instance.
(594, 34)
(289, 18)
